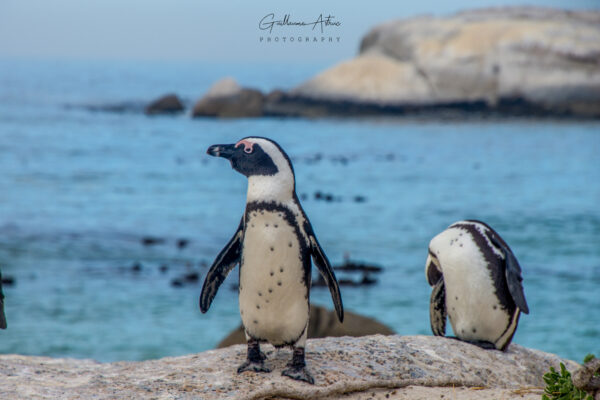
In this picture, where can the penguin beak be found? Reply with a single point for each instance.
(221, 150)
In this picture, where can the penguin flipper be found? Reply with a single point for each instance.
(437, 309)
(324, 267)
(223, 264)
(514, 278)
(2, 316)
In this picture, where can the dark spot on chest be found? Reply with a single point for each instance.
(280, 269)
(278, 283)
(272, 248)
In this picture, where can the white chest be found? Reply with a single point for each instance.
(273, 295)
(474, 310)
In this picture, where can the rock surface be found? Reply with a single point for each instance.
(515, 60)
(324, 323)
(371, 366)
(167, 104)
(226, 99)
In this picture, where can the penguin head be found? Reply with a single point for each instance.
(268, 168)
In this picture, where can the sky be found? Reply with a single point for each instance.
(225, 30)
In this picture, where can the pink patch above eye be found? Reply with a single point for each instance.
(247, 145)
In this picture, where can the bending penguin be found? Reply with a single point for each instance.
(273, 244)
(2, 316)
(476, 281)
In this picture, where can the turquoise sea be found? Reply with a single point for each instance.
(81, 189)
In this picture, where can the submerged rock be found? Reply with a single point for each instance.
(396, 366)
(226, 99)
(167, 104)
(515, 60)
(324, 323)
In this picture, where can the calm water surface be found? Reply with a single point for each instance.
(80, 189)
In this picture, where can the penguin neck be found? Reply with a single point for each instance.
(279, 188)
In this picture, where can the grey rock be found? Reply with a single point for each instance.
(377, 364)
(167, 104)
(521, 60)
(226, 99)
(324, 323)
(585, 378)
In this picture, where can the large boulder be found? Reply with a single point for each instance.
(324, 323)
(226, 99)
(167, 104)
(394, 367)
(519, 60)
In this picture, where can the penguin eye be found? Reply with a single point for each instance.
(248, 146)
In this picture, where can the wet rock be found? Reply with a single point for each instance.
(186, 279)
(587, 378)
(357, 266)
(328, 197)
(152, 241)
(167, 104)
(182, 243)
(177, 283)
(136, 267)
(226, 99)
(352, 267)
(122, 107)
(344, 367)
(8, 280)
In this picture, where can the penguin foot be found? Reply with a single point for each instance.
(299, 374)
(296, 368)
(255, 359)
(483, 344)
(254, 366)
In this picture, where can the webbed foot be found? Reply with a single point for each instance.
(299, 374)
(255, 359)
(253, 366)
(296, 369)
(484, 344)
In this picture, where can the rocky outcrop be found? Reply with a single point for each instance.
(226, 99)
(520, 60)
(324, 323)
(167, 104)
(378, 366)
(588, 378)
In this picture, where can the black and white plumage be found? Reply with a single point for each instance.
(2, 316)
(273, 244)
(477, 282)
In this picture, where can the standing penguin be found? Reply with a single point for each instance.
(2, 316)
(273, 245)
(476, 280)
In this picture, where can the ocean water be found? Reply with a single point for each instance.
(79, 190)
